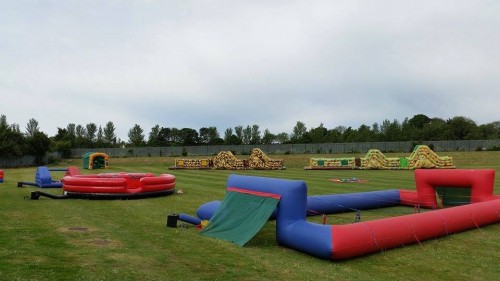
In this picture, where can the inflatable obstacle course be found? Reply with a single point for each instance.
(193, 163)
(421, 157)
(225, 160)
(260, 161)
(95, 160)
(334, 163)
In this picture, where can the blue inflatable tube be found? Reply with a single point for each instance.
(189, 219)
(339, 203)
(329, 204)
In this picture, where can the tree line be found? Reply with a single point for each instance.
(14, 142)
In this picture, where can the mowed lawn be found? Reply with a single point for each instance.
(79, 239)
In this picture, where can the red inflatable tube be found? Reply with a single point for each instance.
(94, 185)
(373, 236)
(162, 179)
(158, 187)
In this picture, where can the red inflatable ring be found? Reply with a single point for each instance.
(118, 185)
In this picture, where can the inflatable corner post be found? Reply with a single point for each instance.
(1, 176)
(339, 242)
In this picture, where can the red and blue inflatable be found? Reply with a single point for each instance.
(337, 242)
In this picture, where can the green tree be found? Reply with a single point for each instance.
(71, 129)
(238, 131)
(268, 137)
(230, 138)
(90, 136)
(61, 142)
(337, 134)
(364, 134)
(99, 141)
(462, 128)
(32, 128)
(154, 138)
(208, 135)
(298, 132)
(490, 131)
(12, 141)
(391, 130)
(247, 135)
(318, 134)
(80, 133)
(419, 121)
(188, 136)
(228, 133)
(255, 135)
(282, 138)
(38, 145)
(136, 136)
(435, 130)
(109, 134)
(165, 137)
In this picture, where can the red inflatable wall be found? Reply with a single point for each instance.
(373, 236)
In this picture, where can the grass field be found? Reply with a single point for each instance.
(128, 240)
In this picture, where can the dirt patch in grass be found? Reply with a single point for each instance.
(75, 229)
(98, 242)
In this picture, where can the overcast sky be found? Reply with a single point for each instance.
(227, 63)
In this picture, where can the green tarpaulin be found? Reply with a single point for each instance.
(240, 216)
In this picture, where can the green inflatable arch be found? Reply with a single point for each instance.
(95, 160)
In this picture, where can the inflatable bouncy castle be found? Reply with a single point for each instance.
(95, 160)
